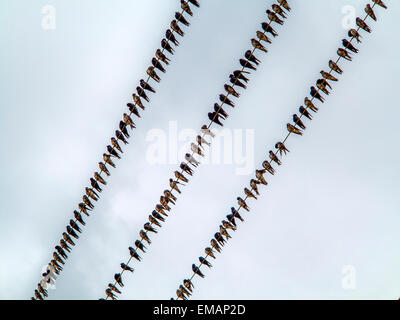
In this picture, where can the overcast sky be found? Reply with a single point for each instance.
(333, 203)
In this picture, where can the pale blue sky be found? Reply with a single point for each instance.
(334, 201)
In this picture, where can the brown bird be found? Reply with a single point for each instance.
(150, 71)
(229, 89)
(335, 67)
(281, 147)
(273, 17)
(92, 194)
(86, 201)
(328, 76)
(215, 245)
(98, 178)
(321, 85)
(180, 295)
(293, 129)
(143, 236)
(181, 18)
(83, 208)
(249, 194)
(160, 209)
(251, 57)
(174, 185)
(304, 112)
(242, 203)
(181, 177)
(298, 121)
(354, 34)
(196, 149)
(169, 35)
(263, 37)
(120, 136)
(146, 86)
(157, 64)
(209, 252)
(236, 214)
(137, 101)
(142, 93)
(349, 46)
(128, 121)
(169, 195)
(224, 99)
(284, 4)
(162, 57)
(274, 158)
(68, 239)
(149, 228)
(224, 232)
(370, 12)
(246, 64)
(267, 166)
(260, 176)
(310, 105)
(344, 54)
(174, 26)
(257, 44)
(253, 185)
(228, 225)
(186, 168)
(107, 159)
(112, 152)
(140, 245)
(185, 6)
(380, 3)
(363, 25)
(65, 246)
(132, 108)
(154, 221)
(267, 28)
(279, 10)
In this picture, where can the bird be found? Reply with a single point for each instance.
(354, 34)
(293, 129)
(246, 64)
(279, 10)
(235, 81)
(159, 209)
(344, 54)
(140, 91)
(185, 6)
(107, 159)
(284, 4)
(314, 93)
(162, 57)
(184, 291)
(310, 105)
(128, 122)
(64, 245)
(263, 37)
(215, 245)
(186, 168)
(169, 35)
(189, 158)
(61, 252)
(298, 121)
(112, 152)
(242, 203)
(98, 178)
(369, 11)
(200, 140)
(150, 71)
(181, 18)
(113, 288)
(228, 225)
(240, 75)
(224, 232)
(92, 194)
(304, 112)
(181, 177)
(164, 202)
(146, 86)
(174, 26)
(205, 262)
(267, 166)
(195, 2)
(74, 225)
(260, 176)
(67, 238)
(120, 136)
(224, 99)
(149, 228)
(254, 185)
(169, 195)
(174, 185)
(335, 67)
(137, 101)
(134, 254)
(110, 294)
(274, 158)
(281, 147)
(249, 194)
(197, 271)
(273, 17)
(86, 201)
(122, 127)
(72, 232)
(328, 76)
(380, 3)
(83, 208)
(126, 267)
(229, 89)
(363, 25)
(57, 258)
(56, 266)
(132, 108)
(257, 44)
(157, 64)
(251, 57)
(104, 169)
(267, 28)
(118, 278)
(322, 84)
(206, 131)
(349, 46)
(140, 245)
(188, 284)
(154, 221)
(220, 239)
(209, 252)
(42, 290)
(38, 295)
(180, 295)
(196, 149)
(115, 144)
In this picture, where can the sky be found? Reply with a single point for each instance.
(329, 215)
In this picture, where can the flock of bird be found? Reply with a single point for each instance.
(323, 84)
(236, 78)
(92, 192)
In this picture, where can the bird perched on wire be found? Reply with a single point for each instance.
(186, 168)
(169, 195)
(235, 81)
(126, 267)
(140, 245)
(180, 295)
(260, 176)
(246, 64)
(140, 91)
(274, 158)
(110, 294)
(104, 169)
(65, 246)
(174, 26)
(114, 288)
(107, 159)
(292, 129)
(137, 101)
(354, 34)
(228, 225)
(67, 238)
(98, 178)
(229, 89)
(254, 185)
(114, 142)
(363, 25)
(61, 252)
(209, 252)
(181, 18)
(162, 57)
(132, 108)
(369, 11)
(184, 291)
(335, 67)
(196, 149)
(128, 122)
(71, 232)
(267, 28)
(344, 54)
(147, 226)
(74, 225)
(267, 166)
(185, 6)
(242, 204)
(180, 176)
(150, 71)
(349, 46)
(220, 239)
(281, 147)
(284, 4)
(251, 57)
(57, 258)
(263, 37)
(256, 44)
(118, 278)
(154, 221)
(191, 160)
(380, 3)
(144, 236)
(91, 193)
(134, 254)
(240, 75)
(206, 131)
(195, 2)
(83, 208)
(112, 152)
(224, 232)
(298, 121)
(174, 185)
(205, 262)
(224, 99)
(273, 17)
(146, 86)
(215, 245)
(249, 194)
(157, 64)
(322, 84)
(314, 93)
(278, 10)
(87, 202)
(201, 141)
(169, 35)
(197, 271)
(188, 284)
(122, 127)
(328, 76)
(120, 136)
(164, 202)
(304, 112)
(310, 105)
